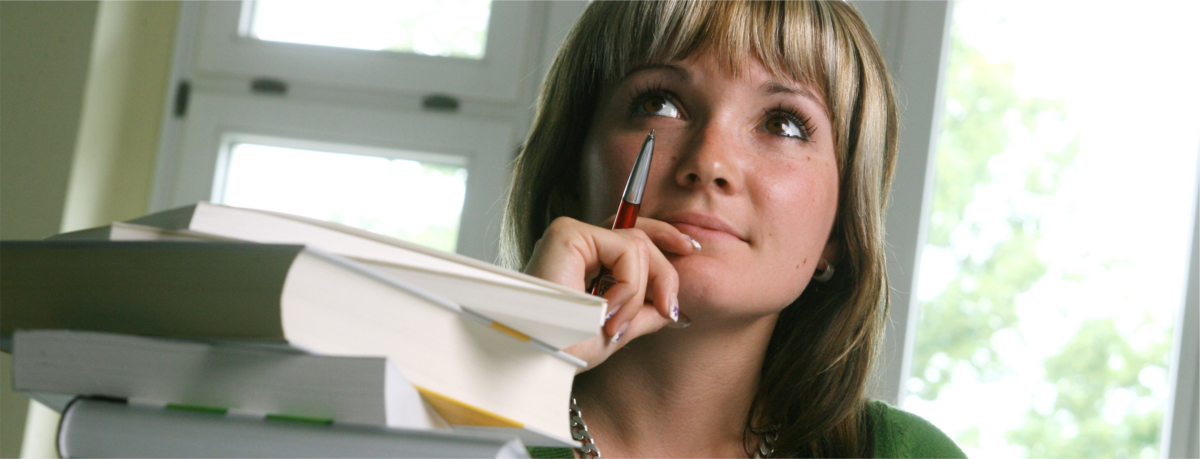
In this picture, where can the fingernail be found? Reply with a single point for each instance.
(620, 333)
(611, 313)
(695, 243)
(675, 307)
(684, 322)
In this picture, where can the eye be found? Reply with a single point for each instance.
(783, 126)
(656, 105)
(785, 122)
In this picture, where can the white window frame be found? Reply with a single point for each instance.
(372, 100)
(1180, 435)
(915, 40)
(483, 144)
(224, 47)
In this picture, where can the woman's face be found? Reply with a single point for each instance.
(743, 164)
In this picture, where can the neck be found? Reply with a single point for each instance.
(676, 392)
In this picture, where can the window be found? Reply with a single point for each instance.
(432, 28)
(393, 193)
(229, 41)
(395, 117)
(1054, 264)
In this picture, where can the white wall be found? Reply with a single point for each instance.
(44, 49)
(82, 86)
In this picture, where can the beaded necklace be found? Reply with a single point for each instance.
(579, 432)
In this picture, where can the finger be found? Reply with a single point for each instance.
(632, 279)
(571, 252)
(684, 322)
(597, 349)
(663, 281)
(555, 257)
(667, 237)
(663, 286)
(647, 321)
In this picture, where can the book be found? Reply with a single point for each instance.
(535, 307)
(560, 321)
(251, 379)
(120, 231)
(472, 372)
(104, 428)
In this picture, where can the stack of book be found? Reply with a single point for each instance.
(218, 331)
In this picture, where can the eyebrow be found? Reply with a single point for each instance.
(678, 71)
(770, 87)
(775, 87)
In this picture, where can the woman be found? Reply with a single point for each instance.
(775, 140)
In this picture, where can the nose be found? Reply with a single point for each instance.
(709, 161)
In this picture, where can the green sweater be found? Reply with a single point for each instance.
(898, 433)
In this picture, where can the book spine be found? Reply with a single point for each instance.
(107, 428)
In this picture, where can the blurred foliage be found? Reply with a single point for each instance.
(983, 115)
(958, 325)
(1093, 366)
(434, 23)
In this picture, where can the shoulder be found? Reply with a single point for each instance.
(901, 434)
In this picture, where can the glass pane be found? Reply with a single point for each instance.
(419, 202)
(448, 28)
(1058, 240)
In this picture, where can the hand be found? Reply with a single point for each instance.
(570, 253)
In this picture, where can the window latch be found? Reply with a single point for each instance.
(269, 86)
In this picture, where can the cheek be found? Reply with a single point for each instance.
(797, 208)
(603, 179)
(803, 212)
(792, 210)
(607, 160)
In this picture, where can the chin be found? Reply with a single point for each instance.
(711, 289)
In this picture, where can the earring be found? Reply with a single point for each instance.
(823, 275)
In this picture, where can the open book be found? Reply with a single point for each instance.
(543, 310)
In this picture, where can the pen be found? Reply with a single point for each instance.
(627, 212)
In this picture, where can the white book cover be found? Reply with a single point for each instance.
(99, 428)
(249, 379)
(544, 310)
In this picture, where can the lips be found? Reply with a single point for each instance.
(704, 226)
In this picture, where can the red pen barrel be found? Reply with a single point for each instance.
(627, 215)
(627, 212)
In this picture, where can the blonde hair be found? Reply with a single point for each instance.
(818, 363)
